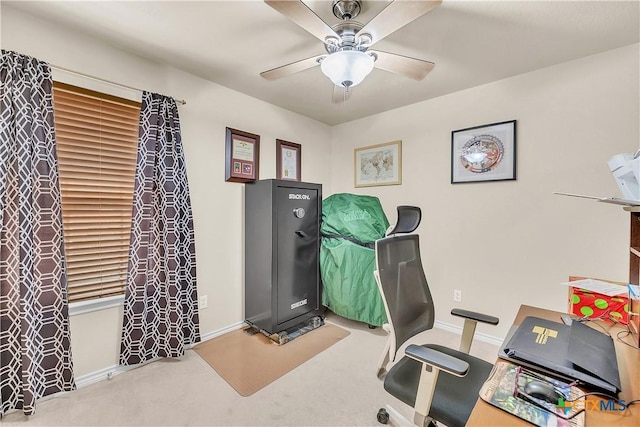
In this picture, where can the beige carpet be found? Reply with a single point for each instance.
(250, 362)
(336, 388)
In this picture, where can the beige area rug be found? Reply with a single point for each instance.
(251, 362)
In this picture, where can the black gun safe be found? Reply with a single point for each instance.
(282, 247)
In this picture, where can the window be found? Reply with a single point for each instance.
(96, 138)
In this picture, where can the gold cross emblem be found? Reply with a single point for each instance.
(543, 334)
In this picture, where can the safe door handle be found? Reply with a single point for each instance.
(302, 233)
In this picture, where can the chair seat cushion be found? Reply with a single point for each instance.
(454, 397)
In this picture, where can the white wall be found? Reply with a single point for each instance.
(217, 205)
(512, 242)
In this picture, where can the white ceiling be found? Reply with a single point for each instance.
(231, 42)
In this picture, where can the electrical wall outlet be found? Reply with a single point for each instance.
(203, 301)
(457, 295)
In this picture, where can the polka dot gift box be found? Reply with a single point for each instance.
(585, 303)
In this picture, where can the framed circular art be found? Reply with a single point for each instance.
(484, 153)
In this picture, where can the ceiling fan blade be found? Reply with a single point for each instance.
(300, 13)
(395, 16)
(413, 68)
(294, 67)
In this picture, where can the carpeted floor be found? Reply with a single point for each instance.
(337, 387)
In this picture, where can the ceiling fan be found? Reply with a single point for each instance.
(349, 58)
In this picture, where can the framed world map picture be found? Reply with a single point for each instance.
(379, 164)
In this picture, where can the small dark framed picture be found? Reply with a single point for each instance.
(484, 153)
(288, 160)
(242, 155)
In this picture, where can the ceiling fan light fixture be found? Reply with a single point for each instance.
(347, 68)
(332, 41)
(364, 40)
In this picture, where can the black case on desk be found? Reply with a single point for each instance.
(282, 246)
(576, 352)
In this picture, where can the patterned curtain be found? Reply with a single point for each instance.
(35, 348)
(160, 309)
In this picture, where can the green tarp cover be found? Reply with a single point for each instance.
(349, 288)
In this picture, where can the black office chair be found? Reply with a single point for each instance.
(416, 379)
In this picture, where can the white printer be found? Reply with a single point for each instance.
(625, 169)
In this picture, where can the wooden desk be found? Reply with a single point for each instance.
(485, 414)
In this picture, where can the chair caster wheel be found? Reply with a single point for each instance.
(383, 416)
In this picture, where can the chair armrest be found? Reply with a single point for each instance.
(471, 318)
(437, 359)
(472, 315)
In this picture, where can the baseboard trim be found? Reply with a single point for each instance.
(478, 335)
(221, 331)
(111, 371)
(107, 373)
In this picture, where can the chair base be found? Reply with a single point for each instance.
(385, 414)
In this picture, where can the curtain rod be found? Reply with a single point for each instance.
(180, 101)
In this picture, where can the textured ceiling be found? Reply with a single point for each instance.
(231, 42)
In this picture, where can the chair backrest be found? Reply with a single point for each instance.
(409, 218)
(404, 287)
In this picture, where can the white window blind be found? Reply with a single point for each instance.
(96, 138)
